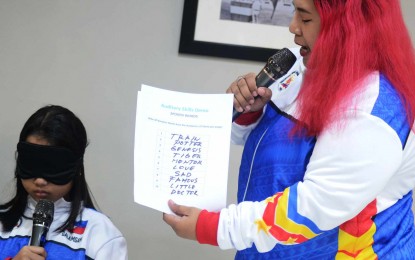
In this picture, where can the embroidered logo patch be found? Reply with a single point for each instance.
(75, 235)
(285, 83)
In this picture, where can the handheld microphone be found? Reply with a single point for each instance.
(277, 66)
(42, 218)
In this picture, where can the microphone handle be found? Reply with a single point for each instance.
(263, 79)
(38, 235)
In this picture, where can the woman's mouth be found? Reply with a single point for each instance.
(304, 51)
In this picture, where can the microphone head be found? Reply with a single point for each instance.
(281, 62)
(277, 65)
(43, 214)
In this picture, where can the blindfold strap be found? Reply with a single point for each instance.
(56, 164)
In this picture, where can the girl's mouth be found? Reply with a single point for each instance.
(41, 194)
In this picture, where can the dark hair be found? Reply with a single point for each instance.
(59, 127)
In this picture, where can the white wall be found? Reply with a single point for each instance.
(408, 7)
(91, 56)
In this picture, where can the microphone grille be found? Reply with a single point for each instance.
(281, 62)
(43, 214)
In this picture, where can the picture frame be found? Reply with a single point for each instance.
(248, 42)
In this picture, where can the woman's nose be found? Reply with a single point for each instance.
(294, 29)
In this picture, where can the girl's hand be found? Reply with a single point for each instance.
(31, 253)
(184, 224)
(245, 91)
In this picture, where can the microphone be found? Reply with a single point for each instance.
(42, 218)
(277, 66)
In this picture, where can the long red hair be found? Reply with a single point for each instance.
(356, 38)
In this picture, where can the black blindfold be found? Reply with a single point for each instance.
(55, 164)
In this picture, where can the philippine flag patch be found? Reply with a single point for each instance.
(79, 227)
(285, 83)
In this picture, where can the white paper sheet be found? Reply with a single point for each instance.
(181, 149)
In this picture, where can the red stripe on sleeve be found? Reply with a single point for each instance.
(207, 227)
(248, 118)
(361, 223)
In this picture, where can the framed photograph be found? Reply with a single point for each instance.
(238, 29)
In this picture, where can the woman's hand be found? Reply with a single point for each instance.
(248, 97)
(31, 253)
(184, 224)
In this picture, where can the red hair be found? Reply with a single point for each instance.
(356, 38)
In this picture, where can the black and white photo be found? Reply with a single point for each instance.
(271, 12)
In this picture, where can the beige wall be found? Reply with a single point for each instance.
(92, 56)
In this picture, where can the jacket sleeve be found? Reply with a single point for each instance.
(347, 170)
(243, 125)
(115, 248)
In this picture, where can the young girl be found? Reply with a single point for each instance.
(50, 166)
(328, 165)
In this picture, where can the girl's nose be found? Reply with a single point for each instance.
(40, 182)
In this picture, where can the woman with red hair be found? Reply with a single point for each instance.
(328, 165)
